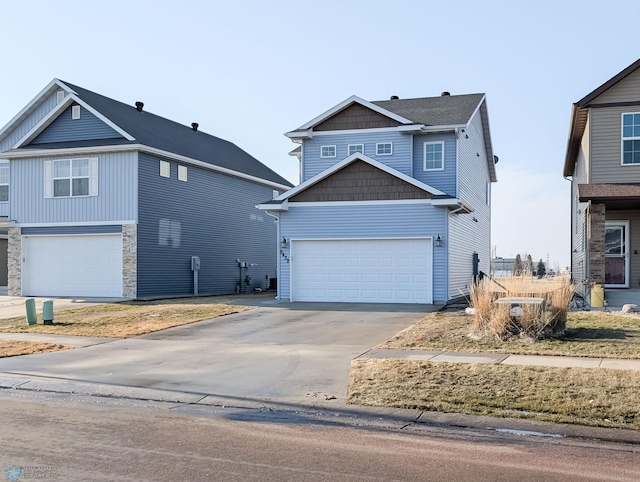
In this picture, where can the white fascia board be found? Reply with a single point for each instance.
(44, 122)
(453, 203)
(73, 151)
(274, 207)
(80, 223)
(354, 98)
(298, 134)
(31, 106)
(447, 128)
(348, 160)
(104, 119)
(359, 203)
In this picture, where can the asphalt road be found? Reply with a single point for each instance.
(62, 437)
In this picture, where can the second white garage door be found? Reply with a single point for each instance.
(81, 265)
(364, 270)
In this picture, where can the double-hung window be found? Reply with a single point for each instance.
(328, 151)
(384, 148)
(71, 177)
(631, 138)
(4, 181)
(433, 156)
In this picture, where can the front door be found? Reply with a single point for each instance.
(616, 260)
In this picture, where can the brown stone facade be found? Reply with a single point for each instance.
(14, 262)
(596, 230)
(356, 116)
(360, 181)
(129, 261)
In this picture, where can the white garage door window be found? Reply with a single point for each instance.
(366, 270)
(82, 265)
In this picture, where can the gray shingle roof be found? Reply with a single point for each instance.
(435, 111)
(161, 133)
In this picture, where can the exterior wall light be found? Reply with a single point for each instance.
(438, 241)
(284, 242)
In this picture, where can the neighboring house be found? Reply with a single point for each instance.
(502, 266)
(393, 205)
(603, 161)
(105, 199)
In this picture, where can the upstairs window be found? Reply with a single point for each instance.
(384, 148)
(433, 156)
(328, 151)
(353, 148)
(4, 181)
(182, 173)
(165, 169)
(75, 112)
(631, 138)
(71, 178)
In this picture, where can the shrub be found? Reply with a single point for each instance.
(498, 321)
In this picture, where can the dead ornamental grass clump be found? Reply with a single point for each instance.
(499, 321)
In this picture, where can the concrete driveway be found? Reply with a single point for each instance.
(276, 352)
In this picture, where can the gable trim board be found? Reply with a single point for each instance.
(345, 162)
(59, 109)
(72, 151)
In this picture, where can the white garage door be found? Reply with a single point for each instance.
(368, 270)
(82, 265)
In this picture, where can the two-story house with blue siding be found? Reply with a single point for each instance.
(104, 199)
(394, 203)
(603, 162)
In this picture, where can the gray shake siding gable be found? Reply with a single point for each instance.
(215, 219)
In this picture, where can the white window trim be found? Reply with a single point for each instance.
(623, 138)
(335, 151)
(93, 178)
(75, 112)
(59, 96)
(378, 153)
(488, 193)
(165, 169)
(424, 156)
(4, 163)
(349, 146)
(182, 173)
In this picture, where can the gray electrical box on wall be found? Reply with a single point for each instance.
(195, 263)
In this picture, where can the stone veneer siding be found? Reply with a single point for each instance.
(596, 243)
(14, 262)
(129, 261)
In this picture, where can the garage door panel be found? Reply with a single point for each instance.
(80, 265)
(370, 270)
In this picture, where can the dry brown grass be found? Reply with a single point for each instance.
(496, 321)
(125, 320)
(594, 334)
(17, 347)
(594, 397)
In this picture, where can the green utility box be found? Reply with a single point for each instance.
(47, 312)
(32, 319)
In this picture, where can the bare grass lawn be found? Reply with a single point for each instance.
(588, 334)
(594, 397)
(118, 320)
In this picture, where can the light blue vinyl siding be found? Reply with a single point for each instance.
(116, 199)
(399, 160)
(213, 216)
(25, 126)
(365, 221)
(468, 236)
(65, 128)
(444, 180)
(4, 209)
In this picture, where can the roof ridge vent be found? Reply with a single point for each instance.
(445, 94)
(139, 106)
(194, 126)
(394, 97)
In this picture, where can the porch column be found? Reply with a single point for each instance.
(596, 243)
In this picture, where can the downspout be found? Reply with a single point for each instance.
(275, 216)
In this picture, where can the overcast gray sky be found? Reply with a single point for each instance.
(248, 71)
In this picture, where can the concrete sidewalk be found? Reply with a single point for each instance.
(506, 359)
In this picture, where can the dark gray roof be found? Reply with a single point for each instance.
(435, 111)
(155, 131)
